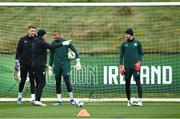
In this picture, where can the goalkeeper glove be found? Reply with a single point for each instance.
(121, 70)
(17, 75)
(137, 66)
(49, 71)
(78, 65)
(71, 55)
(17, 70)
(66, 42)
(17, 65)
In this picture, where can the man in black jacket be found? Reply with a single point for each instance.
(23, 61)
(39, 59)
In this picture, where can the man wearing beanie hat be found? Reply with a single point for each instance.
(131, 55)
(39, 58)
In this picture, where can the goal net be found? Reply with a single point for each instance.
(97, 31)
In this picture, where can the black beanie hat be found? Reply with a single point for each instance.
(129, 31)
(41, 32)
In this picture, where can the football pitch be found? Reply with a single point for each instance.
(96, 110)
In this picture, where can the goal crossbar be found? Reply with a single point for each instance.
(98, 4)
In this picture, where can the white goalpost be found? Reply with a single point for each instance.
(97, 30)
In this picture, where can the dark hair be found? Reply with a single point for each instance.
(57, 31)
(31, 26)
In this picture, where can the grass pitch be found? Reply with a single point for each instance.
(96, 110)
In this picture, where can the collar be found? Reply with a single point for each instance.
(60, 39)
(30, 37)
(130, 40)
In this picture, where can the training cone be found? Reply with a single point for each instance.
(83, 113)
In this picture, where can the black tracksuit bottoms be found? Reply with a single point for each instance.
(25, 69)
(40, 77)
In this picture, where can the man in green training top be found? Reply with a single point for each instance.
(59, 57)
(131, 55)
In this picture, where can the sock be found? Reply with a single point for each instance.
(59, 97)
(71, 95)
(19, 95)
(129, 100)
(32, 97)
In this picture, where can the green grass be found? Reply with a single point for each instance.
(96, 110)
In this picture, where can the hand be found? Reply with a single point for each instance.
(137, 66)
(17, 70)
(49, 71)
(78, 65)
(71, 55)
(121, 70)
(66, 42)
(17, 75)
(17, 65)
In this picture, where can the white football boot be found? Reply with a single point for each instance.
(38, 103)
(139, 103)
(129, 103)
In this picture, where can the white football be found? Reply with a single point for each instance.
(71, 55)
(134, 100)
(79, 103)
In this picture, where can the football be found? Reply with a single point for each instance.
(79, 103)
(134, 101)
(71, 55)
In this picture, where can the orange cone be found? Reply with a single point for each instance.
(83, 113)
